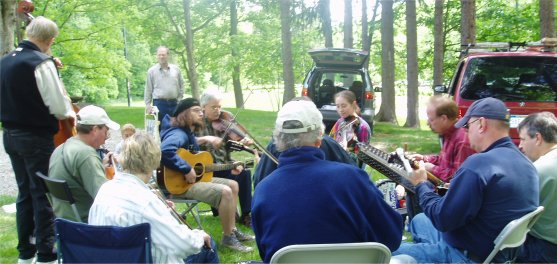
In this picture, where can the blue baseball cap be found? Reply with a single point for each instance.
(490, 108)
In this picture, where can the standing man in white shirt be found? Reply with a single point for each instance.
(32, 100)
(164, 86)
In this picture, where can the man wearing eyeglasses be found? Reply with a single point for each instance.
(490, 189)
(442, 115)
(538, 141)
(178, 132)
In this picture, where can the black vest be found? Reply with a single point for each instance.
(21, 104)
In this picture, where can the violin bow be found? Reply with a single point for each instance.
(259, 146)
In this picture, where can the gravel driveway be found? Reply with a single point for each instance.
(9, 186)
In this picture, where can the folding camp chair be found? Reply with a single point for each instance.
(366, 252)
(83, 243)
(59, 189)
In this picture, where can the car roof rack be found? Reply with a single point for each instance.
(544, 45)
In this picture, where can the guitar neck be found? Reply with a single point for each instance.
(220, 167)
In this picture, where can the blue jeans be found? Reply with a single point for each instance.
(30, 153)
(537, 250)
(429, 245)
(166, 107)
(205, 256)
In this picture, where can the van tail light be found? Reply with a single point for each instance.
(460, 115)
(369, 95)
(304, 91)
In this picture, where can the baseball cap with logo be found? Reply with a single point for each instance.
(490, 108)
(301, 116)
(94, 115)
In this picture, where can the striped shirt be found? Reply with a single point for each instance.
(126, 201)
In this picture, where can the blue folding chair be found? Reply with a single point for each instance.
(83, 243)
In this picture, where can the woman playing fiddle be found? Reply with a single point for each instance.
(219, 128)
(350, 128)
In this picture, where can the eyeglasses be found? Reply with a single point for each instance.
(467, 125)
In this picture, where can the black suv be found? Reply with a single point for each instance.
(523, 75)
(335, 70)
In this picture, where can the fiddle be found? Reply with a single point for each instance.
(227, 125)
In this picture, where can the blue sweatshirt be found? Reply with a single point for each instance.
(309, 200)
(488, 191)
(173, 138)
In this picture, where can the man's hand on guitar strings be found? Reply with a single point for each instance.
(190, 176)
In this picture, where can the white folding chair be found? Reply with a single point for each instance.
(366, 252)
(514, 233)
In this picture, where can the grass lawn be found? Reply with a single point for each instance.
(259, 124)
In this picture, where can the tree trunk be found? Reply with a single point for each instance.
(325, 13)
(348, 35)
(7, 16)
(547, 19)
(367, 45)
(235, 55)
(192, 72)
(365, 33)
(412, 96)
(438, 43)
(387, 110)
(468, 22)
(287, 64)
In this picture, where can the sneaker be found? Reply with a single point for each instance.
(243, 237)
(232, 242)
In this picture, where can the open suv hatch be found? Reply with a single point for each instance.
(335, 70)
(523, 75)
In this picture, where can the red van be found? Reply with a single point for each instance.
(523, 75)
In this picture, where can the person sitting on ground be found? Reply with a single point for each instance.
(309, 200)
(178, 132)
(78, 163)
(538, 140)
(490, 189)
(128, 200)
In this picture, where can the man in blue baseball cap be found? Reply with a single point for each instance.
(490, 189)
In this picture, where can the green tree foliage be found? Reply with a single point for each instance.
(91, 43)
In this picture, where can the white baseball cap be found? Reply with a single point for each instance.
(94, 115)
(305, 112)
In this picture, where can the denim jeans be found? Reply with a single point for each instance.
(429, 246)
(537, 250)
(166, 107)
(205, 256)
(30, 153)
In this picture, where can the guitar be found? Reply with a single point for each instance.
(201, 163)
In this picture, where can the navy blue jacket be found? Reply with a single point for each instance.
(489, 190)
(173, 138)
(333, 151)
(309, 200)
